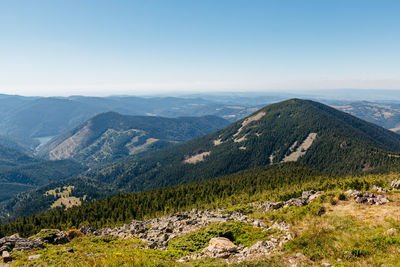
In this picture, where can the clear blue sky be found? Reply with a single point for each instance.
(115, 46)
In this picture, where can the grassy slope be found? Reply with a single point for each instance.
(328, 230)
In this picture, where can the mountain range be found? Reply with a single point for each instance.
(302, 131)
(110, 136)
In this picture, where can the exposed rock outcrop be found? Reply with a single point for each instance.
(367, 198)
(156, 232)
(306, 198)
(395, 184)
(15, 242)
(221, 247)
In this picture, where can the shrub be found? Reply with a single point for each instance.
(71, 234)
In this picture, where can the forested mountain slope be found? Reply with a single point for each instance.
(20, 172)
(109, 136)
(294, 130)
(325, 139)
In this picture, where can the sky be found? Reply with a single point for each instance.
(68, 47)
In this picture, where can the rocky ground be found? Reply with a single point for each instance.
(157, 232)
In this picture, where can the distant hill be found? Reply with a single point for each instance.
(383, 114)
(303, 131)
(33, 117)
(110, 136)
(295, 130)
(20, 171)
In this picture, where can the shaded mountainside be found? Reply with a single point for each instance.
(20, 172)
(111, 136)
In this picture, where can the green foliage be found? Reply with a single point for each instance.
(294, 214)
(46, 234)
(99, 251)
(237, 232)
(270, 183)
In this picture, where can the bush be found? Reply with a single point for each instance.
(342, 196)
(71, 234)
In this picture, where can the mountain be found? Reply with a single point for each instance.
(295, 130)
(34, 117)
(110, 136)
(381, 113)
(21, 172)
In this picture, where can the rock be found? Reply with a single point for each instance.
(6, 257)
(259, 224)
(220, 247)
(391, 232)
(299, 255)
(326, 264)
(70, 250)
(15, 242)
(395, 184)
(370, 199)
(87, 230)
(351, 193)
(33, 257)
(378, 189)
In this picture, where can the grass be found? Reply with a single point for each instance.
(238, 232)
(331, 229)
(99, 251)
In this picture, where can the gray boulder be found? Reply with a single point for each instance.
(15, 242)
(395, 184)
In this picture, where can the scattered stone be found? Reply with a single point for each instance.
(87, 230)
(352, 193)
(259, 224)
(395, 184)
(391, 232)
(370, 199)
(15, 242)
(33, 257)
(157, 232)
(306, 198)
(379, 189)
(70, 250)
(326, 264)
(6, 257)
(299, 255)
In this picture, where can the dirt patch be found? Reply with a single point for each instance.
(249, 120)
(396, 129)
(217, 142)
(370, 213)
(64, 198)
(302, 149)
(69, 147)
(141, 148)
(66, 202)
(197, 158)
(241, 139)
